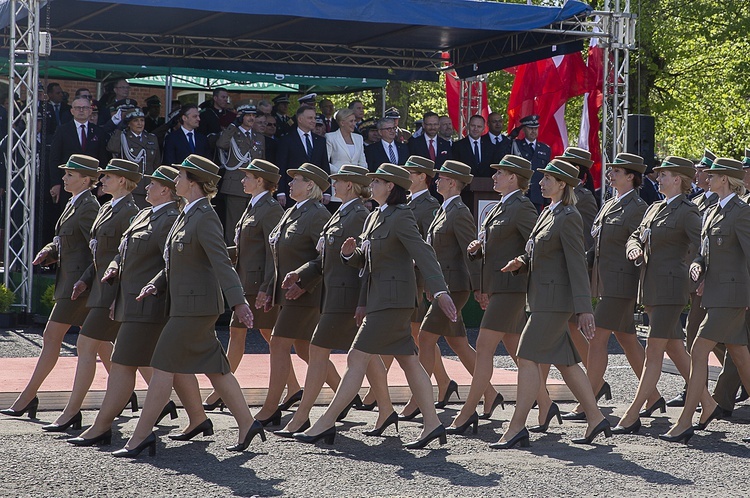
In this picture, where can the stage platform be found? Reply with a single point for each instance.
(252, 375)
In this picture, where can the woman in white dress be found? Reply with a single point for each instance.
(344, 147)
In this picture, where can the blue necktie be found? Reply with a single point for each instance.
(391, 154)
(308, 145)
(191, 141)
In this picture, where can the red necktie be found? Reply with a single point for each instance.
(83, 138)
(432, 149)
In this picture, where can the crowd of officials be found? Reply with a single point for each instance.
(324, 243)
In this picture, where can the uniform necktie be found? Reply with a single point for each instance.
(56, 107)
(308, 145)
(249, 134)
(531, 144)
(432, 149)
(328, 125)
(83, 137)
(191, 142)
(477, 158)
(391, 154)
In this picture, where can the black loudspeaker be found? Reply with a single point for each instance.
(641, 137)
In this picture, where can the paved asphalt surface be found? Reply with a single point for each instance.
(35, 463)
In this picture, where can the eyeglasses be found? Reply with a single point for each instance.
(270, 124)
(387, 129)
(81, 107)
(122, 87)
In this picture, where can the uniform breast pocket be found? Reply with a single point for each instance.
(379, 239)
(614, 220)
(106, 238)
(139, 242)
(66, 237)
(334, 236)
(295, 230)
(191, 297)
(181, 244)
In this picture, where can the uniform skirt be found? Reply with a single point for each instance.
(335, 331)
(99, 326)
(136, 342)
(506, 312)
(615, 314)
(724, 325)
(386, 332)
(261, 319)
(69, 312)
(420, 309)
(188, 344)
(546, 339)
(437, 323)
(664, 322)
(296, 322)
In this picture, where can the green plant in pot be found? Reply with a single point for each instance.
(7, 298)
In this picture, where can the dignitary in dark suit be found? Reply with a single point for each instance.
(327, 113)
(98, 332)
(502, 296)
(429, 144)
(69, 250)
(300, 146)
(722, 264)
(343, 302)
(669, 231)
(558, 286)
(186, 139)
(388, 245)
(495, 134)
(56, 112)
(139, 146)
(293, 242)
(387, 149)
(239, 145)
(215, 117)
(284, 122)
(650, 190)
(198, 271)
(476, 150)
(532, 150)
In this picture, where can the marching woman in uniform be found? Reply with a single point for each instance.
(558, 286)
(254, 265)
(343, 304)
(71, 253)
(503, 235)
(389, 246)
(722, 263)
(660, 245)
(119, 179)
(197, 270)
(293, 242)
(141, 323)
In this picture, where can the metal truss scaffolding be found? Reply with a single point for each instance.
(21, 151)
(470, 101)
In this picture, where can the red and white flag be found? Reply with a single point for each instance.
(589, 137)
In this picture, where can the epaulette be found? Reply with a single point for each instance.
(173, 211)
(639, 199)
(359, 207)
(205, 207)
(402, 206)
(568, 209)
(272, 200)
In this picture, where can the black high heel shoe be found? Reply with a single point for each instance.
(554, 411)
(328, 436)
(255, 429)
(522, 437)
(367, 407)
(573, 416)
(294, 399)
(742, 396)
(660, 404)
(206, 427)
(602, 426)
(31, 408)
(473, 422)
(149, 442)
(169, 409)
(209, 407)
(717, 414)
(345, 411)
(133, 402)
(682, 437)
(605, 391)
(499, 400)
(631, 429)
(438, 433)
(73, 423)
(378, 431)
(410, 416)
(274, 419)
(452, 388)
(104, 439)
(291, 434)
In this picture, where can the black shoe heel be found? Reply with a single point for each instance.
(682, 437)
(149, 442)
(473, 422)
(522, 437)
(31, 408)
(169, 409)
(74, 423)
(631, 429)
(554, 411)
(367, 407)
(133, 402)
(104, 439)
(499, 401)
(255, 430)
(410, 416)
(206, 427)
(438, 433)
(328, 436)
(660, 404)
(605, 391)
(274, 419)
(345, 411)
(293, 400)
(291, 434)
(602, 426)
(717, 414)
(209, 407)
(378, 431)
(452, 389)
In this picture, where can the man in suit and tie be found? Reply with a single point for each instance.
(359, 113)
(477, 151)
(495, 134)
(326, 112)
(445, 129)
(537, 152)
(300, 146)
(56, 111)
(283, 121)
(429, 144)
(649, 192)
(187, 139)
(387, 149)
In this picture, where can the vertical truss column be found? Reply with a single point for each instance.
(469, 101)
(21, 153)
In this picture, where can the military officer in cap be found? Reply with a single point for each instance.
(153, 113)
(136, 145)
(308, 99)
(532, 150)
(284, 122)
(402, 136)
(238, 146)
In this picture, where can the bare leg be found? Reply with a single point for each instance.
(468, 357)
(421, 389)
(231, 393)
(387, 360)
(84, 376)
(580, 342)
(696, 385)
(186, 387)
(542, 395)
(649, 377)
(302, 348)
(158, 394)
(579, 385)
(378, 378)
(529, 384)
(438, 369)
(316, 374)
(146, 373)
(105, 354)
(235, 352)
(292, 385)
(487, 342)
(636, 356)
(281, 362)
(54, 333)
(120, 384)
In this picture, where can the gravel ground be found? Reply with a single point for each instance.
(715, 463)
